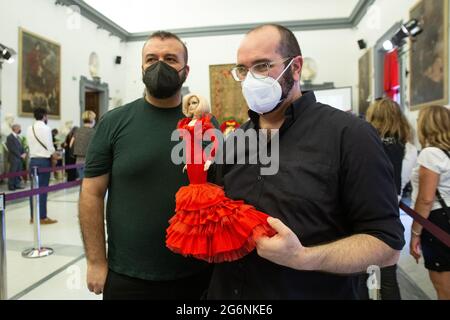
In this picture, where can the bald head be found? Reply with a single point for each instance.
(277, 48)
(287, 45)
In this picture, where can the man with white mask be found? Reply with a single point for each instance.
(332, 223)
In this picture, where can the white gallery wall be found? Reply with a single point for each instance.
(77, 37)
(335, 52)
(381, 16)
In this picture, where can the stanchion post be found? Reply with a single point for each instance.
(37, 251)
(3, 280)
(63, 171)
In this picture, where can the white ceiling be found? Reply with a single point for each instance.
(148, 15)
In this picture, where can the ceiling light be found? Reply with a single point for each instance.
(6, 54)
(387, 45)
(410, 29)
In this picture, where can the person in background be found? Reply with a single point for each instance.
(16, 155)
(431, 195)
(54, 134)
(386, 116)
(25, 162)
(130, 158)
(39, 136)
(57, 159)
(81, 139)
(69, 157)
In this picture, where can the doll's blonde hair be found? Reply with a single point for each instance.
(203, 105)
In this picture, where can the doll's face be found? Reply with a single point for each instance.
(193, 104)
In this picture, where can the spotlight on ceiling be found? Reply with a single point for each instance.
(6, 54)
(410, 29)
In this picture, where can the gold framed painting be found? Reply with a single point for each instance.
(39, 74)
(227, 101)
(429, 55)
(364, 82)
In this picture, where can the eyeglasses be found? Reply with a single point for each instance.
(259, 70)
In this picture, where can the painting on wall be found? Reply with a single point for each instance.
(227, 100)
(39, 75)
(365, 83)
(429, 55)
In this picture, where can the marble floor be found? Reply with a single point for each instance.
(62, 275)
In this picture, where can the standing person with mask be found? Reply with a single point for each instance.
(39, 136)
(332, 222)
(130, 157)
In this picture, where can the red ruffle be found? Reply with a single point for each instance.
(209, 226)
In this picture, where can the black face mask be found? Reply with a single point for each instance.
(162, 81)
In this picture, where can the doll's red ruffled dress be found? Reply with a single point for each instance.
(207, 225)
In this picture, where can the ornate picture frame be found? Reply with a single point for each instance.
(39, 74)
(365, 82)
(428, 80)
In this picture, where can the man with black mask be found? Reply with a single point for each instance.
(130, 157)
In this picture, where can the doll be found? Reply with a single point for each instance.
(207, 225)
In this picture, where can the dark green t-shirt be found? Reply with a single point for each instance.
(133, 144)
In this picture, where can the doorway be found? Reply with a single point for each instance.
(94, 96)
(92, 102)
(379, 56)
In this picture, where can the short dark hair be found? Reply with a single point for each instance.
(39, 113)
(288, 46)
(168, 35)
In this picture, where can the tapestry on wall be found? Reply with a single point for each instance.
(429, 55)
(227, 101)
(39, 74)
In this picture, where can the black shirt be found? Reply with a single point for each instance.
(334, 181)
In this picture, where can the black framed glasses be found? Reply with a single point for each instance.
(259, 70)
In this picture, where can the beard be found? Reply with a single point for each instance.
(287, 84)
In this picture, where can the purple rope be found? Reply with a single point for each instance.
(42, 190)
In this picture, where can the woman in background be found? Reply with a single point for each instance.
(394, 130)
(431, 195)
(69, 156)
(80, 141)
